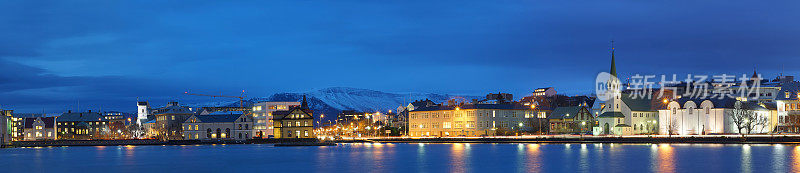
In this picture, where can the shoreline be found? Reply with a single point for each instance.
(540, 139)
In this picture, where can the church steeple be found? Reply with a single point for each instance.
(304, 104)
(613, 65)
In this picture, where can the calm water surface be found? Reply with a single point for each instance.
(408, 158)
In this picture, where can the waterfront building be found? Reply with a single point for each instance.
(788, 107)
(40, 128)
(297, 122)
(710, 116)
(569, 120)
(402, 114)
(222, 125)
(119, 122)
(262, 117)
(7, 131)
(150, 130)
(169, 120)
(474, 119)
(82, 125)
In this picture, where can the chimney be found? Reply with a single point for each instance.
(90, 110)
(69, 111)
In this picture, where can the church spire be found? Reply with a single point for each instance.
(613, 65)
(304, 104)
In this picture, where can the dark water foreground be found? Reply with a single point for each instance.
(409, 157)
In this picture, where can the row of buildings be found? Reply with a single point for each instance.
(170, 122)
(262, 120)
(67, 126)
(769, 106)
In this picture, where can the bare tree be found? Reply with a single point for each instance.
(747, 121)
(758, 123)
(673, 125)
(136, 130)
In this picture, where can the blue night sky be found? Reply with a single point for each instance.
(106, 54)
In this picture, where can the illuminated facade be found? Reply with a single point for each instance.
(169, 120)
(218, 126)
(297, 122)
(468, 120)
(82, 125)
(710, 116)
(788, 106)
(573, 119)
(40, 128)
(262, 117)
(544, 92)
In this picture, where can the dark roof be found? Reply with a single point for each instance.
(638, 104)
(611, 115)
(27, 115)
(793, 87)
(422, 103)
(622, 125)
(562, 112)
(81, 116)
(174, 110)
(279, 115)
(218, 118)
(770, 106)
(49, 122)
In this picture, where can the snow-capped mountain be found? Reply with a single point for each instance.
(331, 101)
(370, 100)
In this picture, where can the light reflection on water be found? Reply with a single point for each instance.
(796, 158)
(666, 158)
(452, 157)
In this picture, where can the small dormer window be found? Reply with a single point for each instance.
(788, 94)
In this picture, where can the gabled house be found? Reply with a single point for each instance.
(297, 122)
(40, 128)
(169, 120)
(573, 119)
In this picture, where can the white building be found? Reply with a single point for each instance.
(623, 113)
(143, 112)
(708, 116)
(788, 107)
(40, 128)
(262, 117)
(544, 92)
